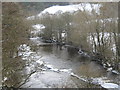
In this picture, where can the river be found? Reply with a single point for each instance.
(52, 66)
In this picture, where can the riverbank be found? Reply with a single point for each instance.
(55, 66)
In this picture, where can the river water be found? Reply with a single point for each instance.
(51, 66)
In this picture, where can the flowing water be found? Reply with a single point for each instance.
(52, 66)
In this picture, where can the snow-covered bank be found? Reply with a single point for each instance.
(105, 83)
(110, 85)
(24, 51)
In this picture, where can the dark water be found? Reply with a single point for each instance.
(51, 66)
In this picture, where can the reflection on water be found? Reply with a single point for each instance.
(79, 65)
(47, 49)
(90, 69)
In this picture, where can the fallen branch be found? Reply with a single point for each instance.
(26, 79)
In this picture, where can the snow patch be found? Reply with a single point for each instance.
(55, 69)
(34, 38)
(81, 78)
(25, 52)
(66, 70)
(49, 66)
(40, 62)
(104, 82)
(115, 72)
(109, 69)
(37, 29)
(5, 79)
(109, 85)
(38, 26)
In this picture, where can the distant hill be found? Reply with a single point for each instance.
(57, 9)
(33, 8)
